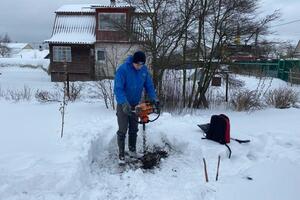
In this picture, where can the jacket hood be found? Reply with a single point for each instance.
(129, 60)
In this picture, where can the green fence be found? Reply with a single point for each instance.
(278, 68)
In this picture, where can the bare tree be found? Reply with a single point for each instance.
(220, 22)
(170, 27)
(187, 12)
(4, 49)
(62, 108)
(161, 29)
(284, 49)
(6, 38)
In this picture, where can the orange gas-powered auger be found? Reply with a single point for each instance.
(143, 110)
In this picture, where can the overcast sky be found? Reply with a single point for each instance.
(32, 20)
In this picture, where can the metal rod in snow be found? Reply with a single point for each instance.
(205, 170)
(217, 175)
(62, 126)
(144, 138)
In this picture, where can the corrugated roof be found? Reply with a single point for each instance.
(88, 8)
(76, 8)
(75, 29)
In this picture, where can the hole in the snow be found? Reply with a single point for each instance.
(152, 159)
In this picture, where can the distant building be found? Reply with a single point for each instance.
(16, 48)
(87, 41)
(297, 51)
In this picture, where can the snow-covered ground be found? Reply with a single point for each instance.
(33, 58)
(35, 163)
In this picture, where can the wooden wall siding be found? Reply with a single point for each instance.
(111, 36)
(81, 67)
(59, 77)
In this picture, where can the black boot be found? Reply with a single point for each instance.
(132, 142)
(121, 145)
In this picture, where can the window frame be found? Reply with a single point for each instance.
(62, 53)
(104, 55)
(110, 28)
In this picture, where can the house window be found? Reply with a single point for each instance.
(111, 21)
(100, 55)
(62, 54)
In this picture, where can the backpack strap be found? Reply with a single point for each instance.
(229, 150)
(204, 138)
(240, 141)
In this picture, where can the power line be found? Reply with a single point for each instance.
(290, 22)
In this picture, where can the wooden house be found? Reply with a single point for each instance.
(91, 41)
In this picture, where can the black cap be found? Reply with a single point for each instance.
(139, 57)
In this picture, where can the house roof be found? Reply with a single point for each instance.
(89, 8)
(73, 29)
(18, 46)
(75, 24)
(76, 8)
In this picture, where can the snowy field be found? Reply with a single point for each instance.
(33, 58)
(36, 164)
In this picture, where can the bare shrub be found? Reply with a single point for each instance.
(18, 95)
(4, 50)
(172, 96)
(215, 97)
(46, 96)
(103, 89)
(75, 91)
(246, 100)
(263, 86)
(282, 97)
(234, 82)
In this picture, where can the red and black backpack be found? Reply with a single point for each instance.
(218, 130)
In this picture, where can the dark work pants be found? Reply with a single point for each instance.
(125, 123)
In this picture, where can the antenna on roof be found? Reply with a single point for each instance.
(112, 2)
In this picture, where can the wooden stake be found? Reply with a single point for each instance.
(217, 175)
(205, 170)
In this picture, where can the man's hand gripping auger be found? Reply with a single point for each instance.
(143, 110)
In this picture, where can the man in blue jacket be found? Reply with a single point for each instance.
(131, 78)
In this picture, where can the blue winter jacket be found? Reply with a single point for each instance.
(130, 82)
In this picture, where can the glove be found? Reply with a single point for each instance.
(126, 109)
(156, 105)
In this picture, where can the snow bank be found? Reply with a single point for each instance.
(31, 54)
(16, 78)
(25, 62)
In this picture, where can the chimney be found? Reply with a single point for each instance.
(112, 2)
